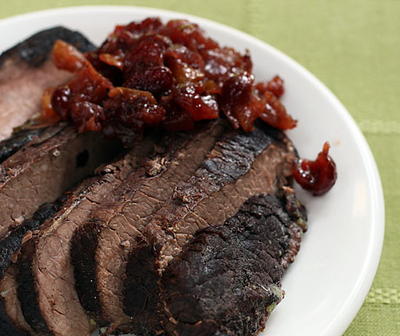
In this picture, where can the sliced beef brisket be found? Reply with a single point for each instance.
(238, 167)
(10, 313)
(119, 224)
(227, 279)
(49, 303)
(26, 71)
(32, 158)
(45, 167)
(54, 309)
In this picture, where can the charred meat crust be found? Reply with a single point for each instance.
(12, 242)
(238, 167)
(227, 278)
(17, 141)
(27, 292)
(83, 246)
(142, 290)
(141, 294)
(35, 50)
(120, 222)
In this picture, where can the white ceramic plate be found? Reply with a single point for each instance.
(327, 284)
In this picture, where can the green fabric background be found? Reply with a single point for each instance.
(353, 46)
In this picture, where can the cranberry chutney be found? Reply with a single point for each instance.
(150, 74)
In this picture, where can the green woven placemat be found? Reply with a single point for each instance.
(353, 46)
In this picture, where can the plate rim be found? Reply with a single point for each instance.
(352, 305)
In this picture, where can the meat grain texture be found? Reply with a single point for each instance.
(59, 155)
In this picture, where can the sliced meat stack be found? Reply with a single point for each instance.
(238, 167)
(183, 234)
(104, 253)
(46, 280)
(46, 289)
(200, 186)
(59, 155)
(32, 157)
(121, 224)
(37, 164)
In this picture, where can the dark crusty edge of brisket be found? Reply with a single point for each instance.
(227, 279)
(148, 194)
(12, 243)
(27, 292)
(26, 138)
(254, 162)
(35, 50)
(10, 146)
(85, 240)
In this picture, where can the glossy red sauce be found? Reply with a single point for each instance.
(150, 74)
(171, 75)
(316, 176)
